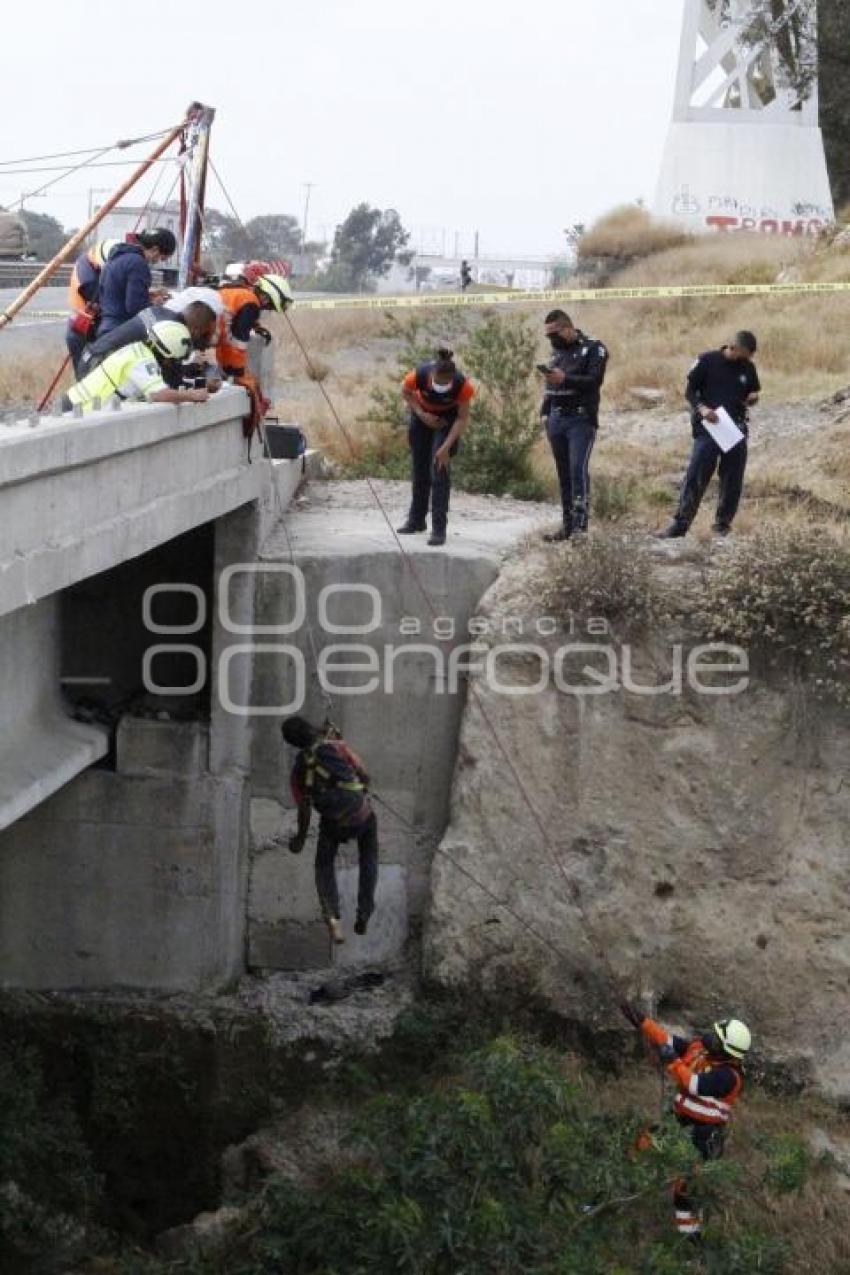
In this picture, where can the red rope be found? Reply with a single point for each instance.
(52, 386)
(572, 886)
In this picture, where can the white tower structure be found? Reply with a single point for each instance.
(745, 151)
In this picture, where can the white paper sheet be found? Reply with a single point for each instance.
(724, 431)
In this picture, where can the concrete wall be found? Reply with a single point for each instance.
(80, 496)
(133, 877)
(41, 748)
(408, 739)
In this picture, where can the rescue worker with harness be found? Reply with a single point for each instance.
(83, 291)
(137, 371)
(438, 397)
(329, 776)
(709, 1078)
(243, 304)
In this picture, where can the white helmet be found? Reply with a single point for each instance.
(277, 289)
(171, 339)
(734, 1036)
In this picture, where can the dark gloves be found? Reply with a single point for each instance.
(632, 1014)
(296, 844)
(666, 1053)
(263, 333)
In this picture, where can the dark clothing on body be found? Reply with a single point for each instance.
(331, 836)
(584, 363)
(135, 329)
(125, 283)
(571, 439)
(572, 417)
(431, 485)
(715, 381)
(332, 777)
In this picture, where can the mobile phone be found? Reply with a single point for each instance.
(543, 367)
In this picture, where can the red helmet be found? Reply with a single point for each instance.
(252, 270)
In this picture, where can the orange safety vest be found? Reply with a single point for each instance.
(233, 353)
(76, 300)
(692, 1105)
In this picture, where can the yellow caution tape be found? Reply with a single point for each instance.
(432, 300)
(439, 300)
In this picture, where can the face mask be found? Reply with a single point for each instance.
(441, 389)
(558, 343)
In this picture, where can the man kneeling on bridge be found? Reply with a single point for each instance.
(137, 371)
(328, 775)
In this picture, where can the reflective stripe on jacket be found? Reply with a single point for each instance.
(691, 1070)
(131, 372)
(689, 1102)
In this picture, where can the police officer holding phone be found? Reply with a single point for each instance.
(570, 413)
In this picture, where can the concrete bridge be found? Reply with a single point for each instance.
(156, 622)
(123, 806)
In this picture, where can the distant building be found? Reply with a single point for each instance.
(126, 220)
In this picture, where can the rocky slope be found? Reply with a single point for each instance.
(707, 836)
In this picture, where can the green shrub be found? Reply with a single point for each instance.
(788, 1164)
(504, 1167)
(498, 353)
(505, 421)
(49, 1191)
(785, 595)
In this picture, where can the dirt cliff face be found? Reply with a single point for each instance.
(707, 836)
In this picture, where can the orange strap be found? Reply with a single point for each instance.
(680, 1072)
(654, 1032)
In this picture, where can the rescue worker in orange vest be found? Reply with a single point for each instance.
(83, 291)
(709, 1078)
(438, 397)
(242, 307)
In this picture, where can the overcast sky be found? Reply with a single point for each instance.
(516, 120)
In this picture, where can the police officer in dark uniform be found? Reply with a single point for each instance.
(570, 412)
(721, 378)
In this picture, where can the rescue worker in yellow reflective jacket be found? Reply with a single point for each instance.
(709, 1078)
(136, 371)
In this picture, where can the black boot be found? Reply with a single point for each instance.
(674, 532)
(437, 538)
(557, 537)
(410, 529)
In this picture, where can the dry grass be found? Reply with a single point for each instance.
(25, 378)
(627, 232)
(804, 354)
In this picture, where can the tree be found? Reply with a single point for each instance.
(834, 38)
(365, 246)
(270, 236)
(274, 235)
(45, 234)
(786, 31)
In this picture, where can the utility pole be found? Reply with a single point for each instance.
(308, 186)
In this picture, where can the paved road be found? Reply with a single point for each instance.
(28, 334)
